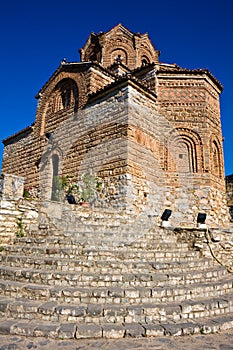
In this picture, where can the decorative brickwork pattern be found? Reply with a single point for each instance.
(151, 131)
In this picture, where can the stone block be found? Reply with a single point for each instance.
(100, 293)
(5, 326)
(88, 331)
(135, 310)
(153, 330)
(186, 308)
(47, 308)
(8, 205)
(11, 186)
(209, 327)
(94, 310)
(132, 293)
(41, 292)
(70, 310)
(113, 331)
(46, 330)
(172, 329)
(116, 292)
(173, 309)
(56, 292)
(224, 322)
(189, 328)
(4, 305)
(134, 330)
(23, 328)
(223, 303)
(113, 310)
(67, 331)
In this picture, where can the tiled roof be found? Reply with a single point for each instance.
(68, 65)
(121, 79)
(179, 70)
(28, 129)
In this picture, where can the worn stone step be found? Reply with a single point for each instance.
(61, 242)
(118, 253)
(136, 239)
(110, 278)
(109, 275)
(77, 229)
(104, 266)
(99, 217)
(123, 294)
(148, 313)
(72, 330)
(130, 229)
(106, 292)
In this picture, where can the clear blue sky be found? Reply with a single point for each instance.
(37, 35)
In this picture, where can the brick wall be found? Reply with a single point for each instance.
(153, 136)
(192, 106)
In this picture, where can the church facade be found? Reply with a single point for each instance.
(150, 130)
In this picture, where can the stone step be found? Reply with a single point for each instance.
(99, 217)
(98, 266)
(116, 292)
(71, 330)
(119, 253)
(147, 270)
(182, 266)
(150, 232)
(128, 231)
(113, 220)
(120, 294)
(58, 242)
(109, 278)
(105, 266)
(148, 313)
(96, 230)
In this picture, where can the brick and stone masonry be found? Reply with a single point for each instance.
(150, 130)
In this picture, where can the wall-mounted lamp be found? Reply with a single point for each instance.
(165, 216)
(201, 218)
(70, 199)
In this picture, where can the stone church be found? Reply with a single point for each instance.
(150, 130)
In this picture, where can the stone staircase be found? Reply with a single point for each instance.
(110, 275)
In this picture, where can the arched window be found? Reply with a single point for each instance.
(65, 95)
(216, 170)
(119, 55)
(145, 60)
(55, 182)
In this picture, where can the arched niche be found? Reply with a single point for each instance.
(119, 54)
(216, 168)
(184, 152)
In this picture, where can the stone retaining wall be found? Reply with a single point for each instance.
(17, 216)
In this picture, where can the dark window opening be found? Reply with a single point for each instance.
(55, 182)
(66, 98)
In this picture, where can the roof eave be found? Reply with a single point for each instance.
(27, 130)
(199, 71)
(66, 65)
(122, 81)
